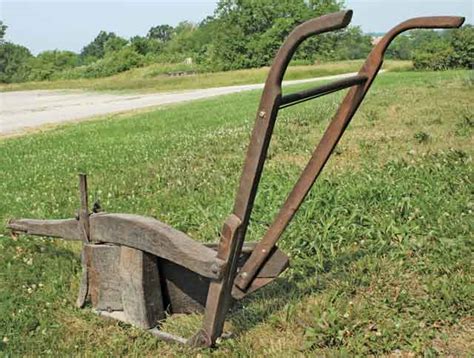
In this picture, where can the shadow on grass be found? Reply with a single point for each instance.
(285, 292)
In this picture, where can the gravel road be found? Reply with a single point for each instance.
(24, 110)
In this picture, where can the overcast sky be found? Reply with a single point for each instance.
(68, 24)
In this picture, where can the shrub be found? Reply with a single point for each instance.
(113, 63)
(47, 63)
(14, 63)
(439, 60)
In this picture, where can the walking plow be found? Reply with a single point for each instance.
(137, 269)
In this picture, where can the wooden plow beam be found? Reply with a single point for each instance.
(135, 268)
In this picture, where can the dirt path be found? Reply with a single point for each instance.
(24, 110)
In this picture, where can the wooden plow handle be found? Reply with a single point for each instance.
(271, 99)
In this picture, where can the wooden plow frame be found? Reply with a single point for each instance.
(136, 268)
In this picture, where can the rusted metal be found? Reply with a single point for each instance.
(306, 95)
(130, 262)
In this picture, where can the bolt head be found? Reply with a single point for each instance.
(215, 268)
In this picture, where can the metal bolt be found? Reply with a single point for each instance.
(264, 250)
(244, 274)
(261, 114)
(215, 268)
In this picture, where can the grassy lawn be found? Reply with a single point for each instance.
(154, 78)
(381, 250)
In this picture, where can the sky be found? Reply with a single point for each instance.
(70, 24)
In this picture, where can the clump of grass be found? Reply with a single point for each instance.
(372, 115)
(468, 80)
(465, 124)
(421, 137)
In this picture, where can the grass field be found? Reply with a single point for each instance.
(381, 250)
(154, 78)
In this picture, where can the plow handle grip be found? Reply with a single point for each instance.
(326, 23)
(428, 22)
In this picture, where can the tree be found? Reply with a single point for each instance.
(161, 33)
(49, 63)
(3, 29)
(145, 45)
(401, 48)
(114, 44)
(249, 32)
(462, 42)
(96, 49)
(14, 63)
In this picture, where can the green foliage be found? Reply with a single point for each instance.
(144, 45)
(244, 34)
(114, 44)
(162, 33)
(421, 137)
(48, 63)
(348, 44)
(114, 62)
(3, 29)
(462, 43)
(436, 50)
(248, 33)
(14, 63)
(96, 49)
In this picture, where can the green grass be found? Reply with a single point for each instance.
(381, 250)
(154, 78)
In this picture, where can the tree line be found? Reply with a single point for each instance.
(240, 34)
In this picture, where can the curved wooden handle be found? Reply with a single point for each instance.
(319, 25)
(430, 22)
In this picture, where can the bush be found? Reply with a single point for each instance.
(14, 63)
(433, 60)
(113, 63)
(436, 50)
(47, 63)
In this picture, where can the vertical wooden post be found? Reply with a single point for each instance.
(219, 295)
(84, 230)
(84, 210)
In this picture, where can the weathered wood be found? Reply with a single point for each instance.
(219, 296)
(184, 291)
(105, 286)
(247, 247)
(66, 228)
(83, 286)
(159, 239)
(276, 263)
(84, 226)
(120, 316)
(167, 337)
(141, 293)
